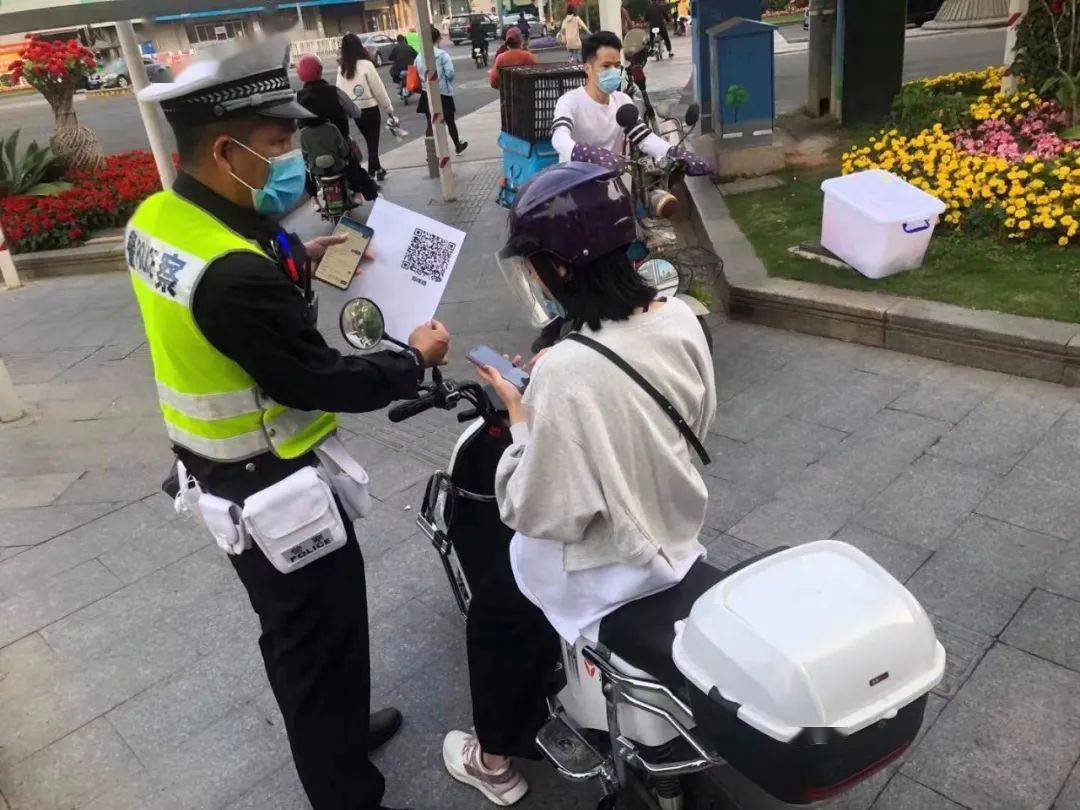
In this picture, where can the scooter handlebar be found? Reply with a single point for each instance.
(406, 410)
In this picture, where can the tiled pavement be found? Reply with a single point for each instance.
(129, 672)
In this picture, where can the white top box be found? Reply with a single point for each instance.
(816, 636)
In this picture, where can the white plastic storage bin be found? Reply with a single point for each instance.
(878, 223)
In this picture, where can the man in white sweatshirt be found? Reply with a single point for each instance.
(584, 126)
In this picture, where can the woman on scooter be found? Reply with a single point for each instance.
(599, 482)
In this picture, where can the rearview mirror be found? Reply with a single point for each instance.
(362, 324)
(693, 115)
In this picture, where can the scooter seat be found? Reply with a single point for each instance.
(642, 632)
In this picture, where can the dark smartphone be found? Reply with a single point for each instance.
(487, 356)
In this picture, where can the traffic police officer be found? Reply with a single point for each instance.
(248, 387)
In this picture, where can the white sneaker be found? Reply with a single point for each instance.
(464, 761)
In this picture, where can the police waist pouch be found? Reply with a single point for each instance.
(349, 480)
(295, 521)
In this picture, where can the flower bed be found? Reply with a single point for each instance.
(794, 7)
(102, 199)
(1004, 170)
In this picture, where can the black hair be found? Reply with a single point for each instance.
(400, 37)
(436, 35)
(601, 39)
(606, 289)
(191, 141)
(352, 51)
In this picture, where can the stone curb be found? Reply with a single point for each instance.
(102, 254)
(1012, 344)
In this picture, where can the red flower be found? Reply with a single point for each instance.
(1056, 7)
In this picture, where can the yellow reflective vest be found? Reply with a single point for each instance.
(211, 405)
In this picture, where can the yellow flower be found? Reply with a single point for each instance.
(1025, 225)
(1063, 241)
(1010, 222)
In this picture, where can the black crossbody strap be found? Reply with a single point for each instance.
(660, 399)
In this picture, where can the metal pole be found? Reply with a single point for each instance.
(435, 110)
(151, 114)
(10, 407)
(7, 264)
(822, 34)
(1017, 9)
(611, 16)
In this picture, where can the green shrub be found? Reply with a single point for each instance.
(916, 108)
(1036, 51)
(28, 173)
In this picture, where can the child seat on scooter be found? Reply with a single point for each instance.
(806, 668)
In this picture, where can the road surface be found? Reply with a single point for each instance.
(116, 119)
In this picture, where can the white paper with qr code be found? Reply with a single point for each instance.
(414, 256)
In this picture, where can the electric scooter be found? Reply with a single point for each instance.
(782, 681)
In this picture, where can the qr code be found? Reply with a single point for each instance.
(428, 256)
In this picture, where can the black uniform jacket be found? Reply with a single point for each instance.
(251, 311)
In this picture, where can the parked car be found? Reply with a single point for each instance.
(461, 26)
(536, 28)
(91, 82)
(116, 73)
(922, 11)
(379, 45)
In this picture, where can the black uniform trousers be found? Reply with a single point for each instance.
(314, 645)
(513, 653)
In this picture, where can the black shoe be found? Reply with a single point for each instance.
(380, 174)
(461, 147)
(383, 725)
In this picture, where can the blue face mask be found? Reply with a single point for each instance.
(284, 184)
(609, 80)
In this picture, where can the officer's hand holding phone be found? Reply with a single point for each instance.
(432, 340)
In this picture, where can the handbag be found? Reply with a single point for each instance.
(650, 389)
(412, 79)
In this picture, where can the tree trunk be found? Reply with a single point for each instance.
(76, 146)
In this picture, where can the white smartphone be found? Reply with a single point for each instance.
(487, 356)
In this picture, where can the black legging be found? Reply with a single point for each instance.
(448, 117)
(370, 123)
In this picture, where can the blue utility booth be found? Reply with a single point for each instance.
(742, 82)
(705, 14)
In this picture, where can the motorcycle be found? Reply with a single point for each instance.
(480, 56)
(656, 45)
(333, 198)
(784, 680)
(653, 180)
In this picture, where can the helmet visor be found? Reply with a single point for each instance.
(541, 307)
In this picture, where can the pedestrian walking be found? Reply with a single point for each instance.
(570, 33)
(523, 27)
(360, 81)
(248, 389)
(512, 56)
(444, 66)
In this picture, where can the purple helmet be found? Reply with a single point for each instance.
(575, 211)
